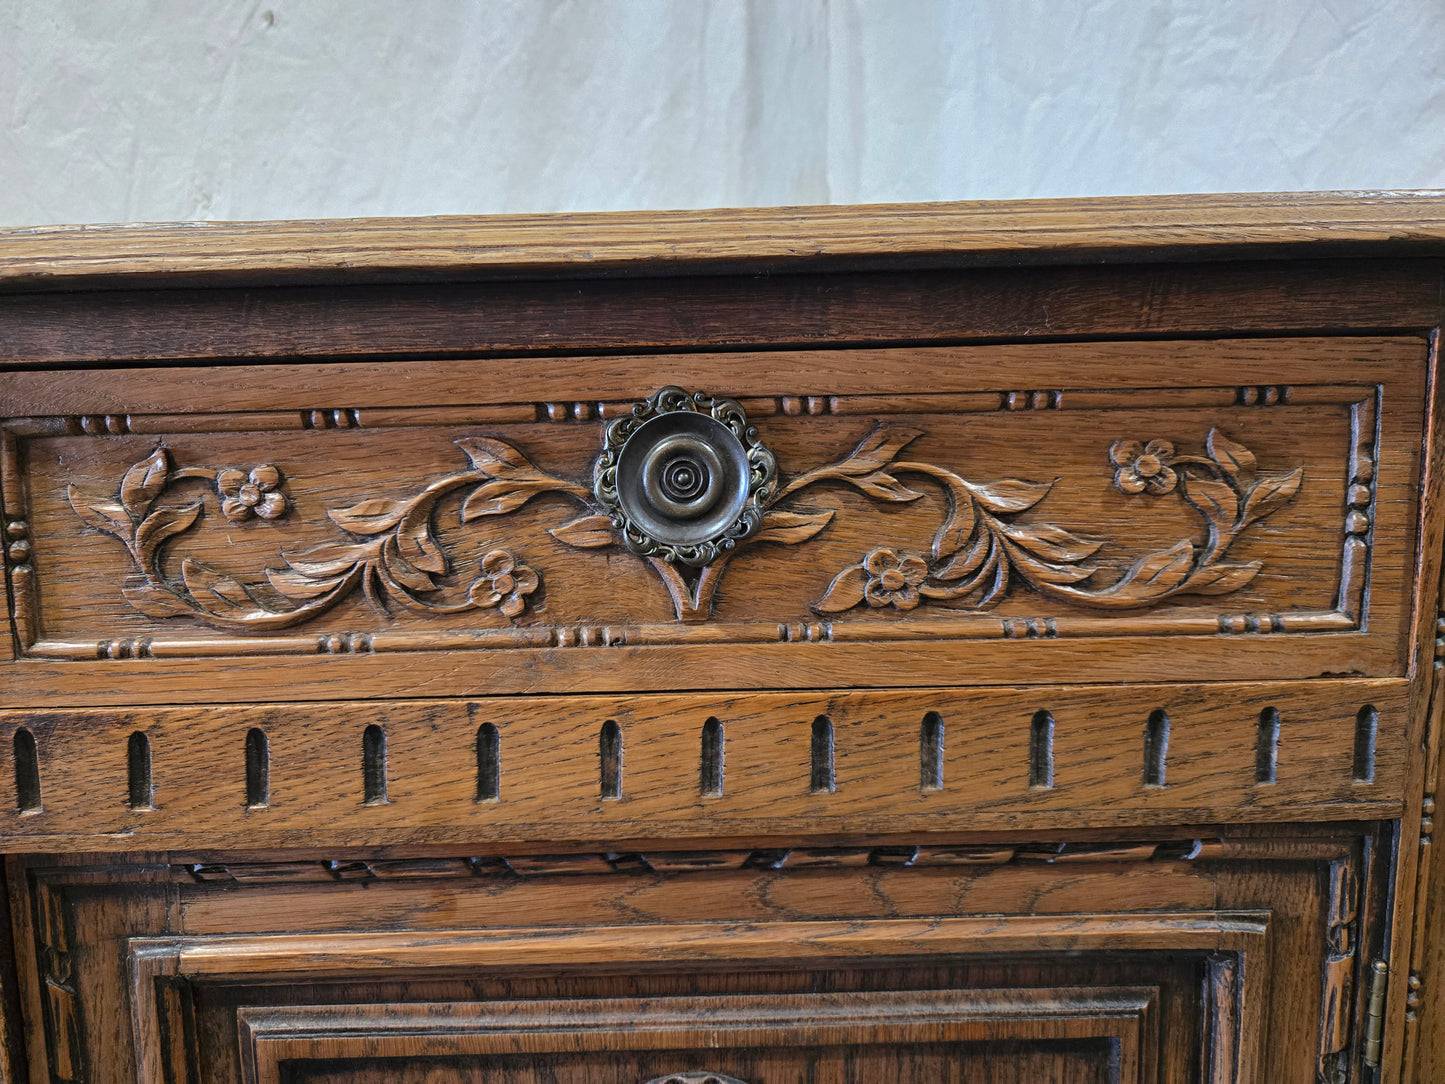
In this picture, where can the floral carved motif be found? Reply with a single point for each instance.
(979, 550)
(393, 557)
(256, 494)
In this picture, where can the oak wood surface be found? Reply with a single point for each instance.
(1423, 1029)
(549, 318)
(920, 1027)
(446, 941)
(1062, 1049)
(306, 954)
(1133, 227)
(550, 778)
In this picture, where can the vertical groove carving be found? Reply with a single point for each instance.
(489, 763)
(609, 755)
(710, 783)
(1266, 747)
(1367, 727)
(930, 752)
(27, 773)
(1156, 748)
(1222, 1018)
(138, 771)
(373, 765)
(1337, 992)
(258, 769)
(1041, 750)
(60, 1005)
(821, 777)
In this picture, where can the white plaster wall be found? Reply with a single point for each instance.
(128, 110)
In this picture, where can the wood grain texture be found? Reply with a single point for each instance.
(783, 941)
(1129, 227)
(1412, 941)
(1414, 1035)
(1416, 1015)
(553, 777)
(77, 329)
(13, 1068)
(444, 949)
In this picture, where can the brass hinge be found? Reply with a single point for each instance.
(1375, 1012)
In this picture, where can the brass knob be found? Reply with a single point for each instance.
(684, 476)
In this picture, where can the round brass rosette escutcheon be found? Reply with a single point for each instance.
(684, 476)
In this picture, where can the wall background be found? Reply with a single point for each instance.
(152, 110)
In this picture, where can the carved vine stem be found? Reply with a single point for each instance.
(692, 602)
(393, 556)
(978, 550)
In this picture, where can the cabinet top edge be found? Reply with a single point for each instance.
(596, 244)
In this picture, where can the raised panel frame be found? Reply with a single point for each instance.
(276, 1041)
(1237, 944)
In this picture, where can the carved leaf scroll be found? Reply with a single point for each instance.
(393, 555)
(791, 528)
(587, 533)
(977, 552)
(143, 482)
(980, 550)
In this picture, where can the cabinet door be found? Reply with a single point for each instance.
(1171, 960)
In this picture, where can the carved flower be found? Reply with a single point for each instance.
(893, 580)
(1143, 468)
(244, 496)
(505, 582)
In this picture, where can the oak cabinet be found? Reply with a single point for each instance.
(979, 643)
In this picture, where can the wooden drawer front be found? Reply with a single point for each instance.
(1160, 510)
(610, 768)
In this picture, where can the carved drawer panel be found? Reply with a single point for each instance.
(907, 517)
